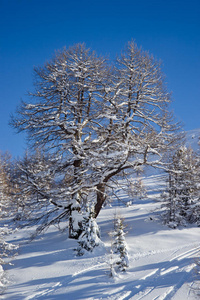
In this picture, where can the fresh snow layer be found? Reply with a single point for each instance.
(162, 261)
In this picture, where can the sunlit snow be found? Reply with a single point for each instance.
(162, 261)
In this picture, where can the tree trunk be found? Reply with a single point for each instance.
(100, 198)
(74, 223)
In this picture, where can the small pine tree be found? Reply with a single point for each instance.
(112, 272)
(90, 236)
(119, 245)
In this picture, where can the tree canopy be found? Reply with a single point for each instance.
(95, 119)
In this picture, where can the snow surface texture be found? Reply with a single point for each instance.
(162, 261)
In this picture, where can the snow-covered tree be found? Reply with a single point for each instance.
(6, 208)
(119, 245)
(69, 98)
(112, 273)
(96, 121)
(6, 252)
(183, 194)
(135, 186)
(33, 183)
(90, 236)
(5, 183)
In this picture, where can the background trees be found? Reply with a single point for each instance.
(184, 189)
(94, 121)
(6, 187)
(6, 209)
(33, 179)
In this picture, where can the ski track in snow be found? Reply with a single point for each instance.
(142, 290)
(147, 284)
(175, 261)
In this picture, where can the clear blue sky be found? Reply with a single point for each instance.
(31, 30)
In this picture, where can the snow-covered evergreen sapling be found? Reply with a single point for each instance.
(112, 272)
(90, 236)
(119, 245)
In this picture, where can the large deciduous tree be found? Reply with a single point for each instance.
(97, 121)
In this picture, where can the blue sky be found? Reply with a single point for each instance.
(31, 31)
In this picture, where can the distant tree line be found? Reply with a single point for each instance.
(182, 198)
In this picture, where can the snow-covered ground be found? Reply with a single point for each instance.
(163, 261)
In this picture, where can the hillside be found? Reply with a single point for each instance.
(162, 261)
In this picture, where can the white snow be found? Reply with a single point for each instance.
(162, 261)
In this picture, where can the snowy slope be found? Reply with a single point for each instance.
(163, 261)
